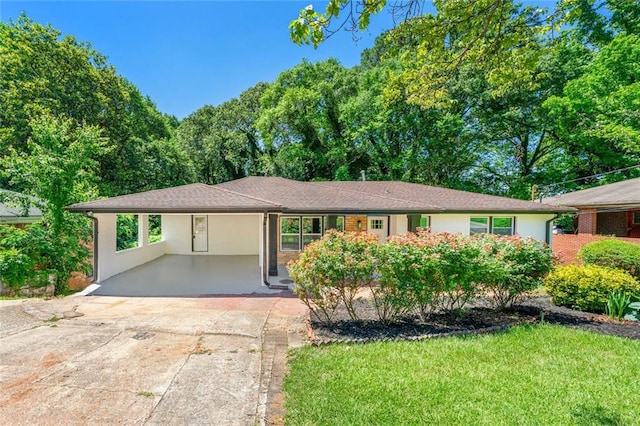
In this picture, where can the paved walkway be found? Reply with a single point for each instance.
(111, 360)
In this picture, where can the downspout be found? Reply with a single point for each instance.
(265, 251)
(547, 236)
(90, 215)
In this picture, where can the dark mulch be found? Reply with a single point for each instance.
(477, 319)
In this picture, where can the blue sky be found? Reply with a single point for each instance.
(186, 54)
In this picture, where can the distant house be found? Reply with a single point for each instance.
(603, 211)
(13, 210)
(262, 222)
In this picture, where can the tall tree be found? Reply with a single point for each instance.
(301, 124)
(43, 71)
(223, 141)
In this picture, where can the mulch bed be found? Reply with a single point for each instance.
(478, 319)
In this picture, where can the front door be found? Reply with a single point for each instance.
(200, 233)
(378, 225)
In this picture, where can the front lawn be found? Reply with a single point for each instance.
(530, 375)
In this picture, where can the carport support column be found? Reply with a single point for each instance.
(273, 245)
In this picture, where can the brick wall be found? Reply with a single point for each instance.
(612, 223)
(587, 221)
(566, 246)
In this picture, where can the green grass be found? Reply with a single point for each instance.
(530, 375)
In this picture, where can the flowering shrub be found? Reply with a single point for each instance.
(512, 266)
(423, 271)
(334, 269)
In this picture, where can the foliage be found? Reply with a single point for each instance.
(333, 270)
(126, 231)
(59, 170)
(422, 271)
(617, 305)
(155, 228)
(224, 141)
(560, 374)
(612, 253)
(24, 256)
(513, 266)
(587, 288)
(43, 72)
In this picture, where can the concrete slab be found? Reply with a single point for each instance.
(142, 360)
(187, 276)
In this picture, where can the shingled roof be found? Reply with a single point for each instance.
(197, 197)
(259, 194)
(619, 194)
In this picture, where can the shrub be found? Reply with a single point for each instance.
(512, 266)
(333, 269)
(612, 253)
(587, 288)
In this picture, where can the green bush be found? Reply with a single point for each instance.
(512, 266)
(332, 270)
(588, 287)
(612, 253)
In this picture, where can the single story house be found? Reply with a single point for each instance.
(268, 220)
(603, 211)
(17, 210)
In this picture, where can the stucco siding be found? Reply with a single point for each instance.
(234, 234)
(526, 225)
(533, 225)
(227, 234)
(111, 262)
(398, 224)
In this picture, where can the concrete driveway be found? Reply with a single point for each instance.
(110, 360)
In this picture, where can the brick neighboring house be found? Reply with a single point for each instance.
(269, 220)
(605, 211)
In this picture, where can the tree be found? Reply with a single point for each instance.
(58, 169)
(300, 122)
(223, 141)
(40, 70)
(597, 115)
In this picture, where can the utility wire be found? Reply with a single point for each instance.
(543, 188)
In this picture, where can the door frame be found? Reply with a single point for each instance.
(382, 235)
(193, 233)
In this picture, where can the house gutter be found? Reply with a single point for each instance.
(94, 219)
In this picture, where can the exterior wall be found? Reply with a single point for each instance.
(526, 225)
(111, 262)
(398, 224)
(351, 223)
(612, 223)
(587, 221)
(228, 234)
(566, 246)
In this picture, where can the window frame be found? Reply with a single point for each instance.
(290, 234)
(635, 215)
(377, 221)
(490, 226)
(511, 228)
(312, 234)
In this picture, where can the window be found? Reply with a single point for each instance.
(311, 229)
(376, 224)
(636, 218)
(339, 226)
(155, 228)
(479, 225)
(289, 233)
(126, 231)
(502, 225)
(494, 225)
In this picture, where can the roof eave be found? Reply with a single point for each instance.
(147, 210)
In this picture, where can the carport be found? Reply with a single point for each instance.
(175, 275)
